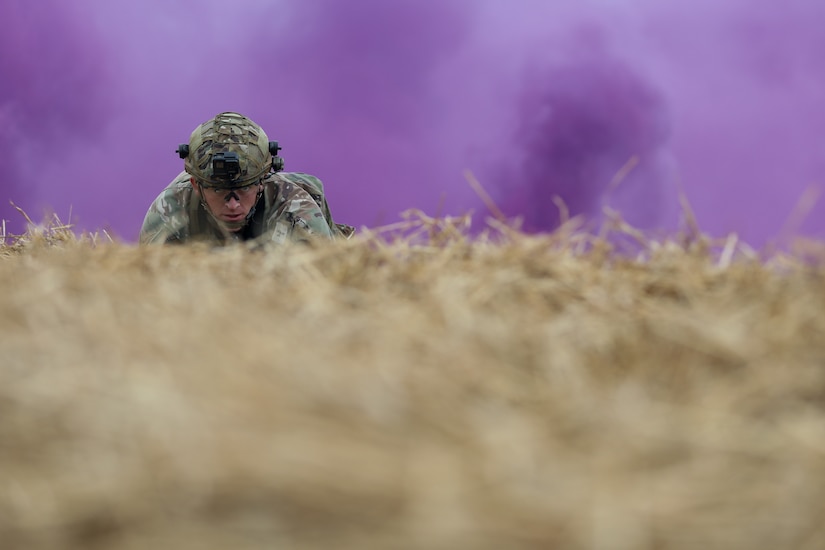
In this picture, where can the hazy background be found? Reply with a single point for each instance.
(389, 101)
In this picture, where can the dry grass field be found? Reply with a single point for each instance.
(422, 390)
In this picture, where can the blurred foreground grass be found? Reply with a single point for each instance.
(419, 389)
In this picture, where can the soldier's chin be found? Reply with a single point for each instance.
(233, 227)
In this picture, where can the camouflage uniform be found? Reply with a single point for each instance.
(284, 211)
(230, 153)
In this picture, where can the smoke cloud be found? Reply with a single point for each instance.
(50, 96)
(598, 102)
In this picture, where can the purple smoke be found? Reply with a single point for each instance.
(51, 95)
(581, 121)
(389, 102)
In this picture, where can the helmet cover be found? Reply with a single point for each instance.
(228, 151)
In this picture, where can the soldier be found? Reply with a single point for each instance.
(232, 189)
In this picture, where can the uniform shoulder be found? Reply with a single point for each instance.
(307, 182)
(179, 190)
(302, 179)
(168, 214)
(181, 181)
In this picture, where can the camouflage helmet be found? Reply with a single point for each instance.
(228, 151)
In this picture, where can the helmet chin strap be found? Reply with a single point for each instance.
(255, 205)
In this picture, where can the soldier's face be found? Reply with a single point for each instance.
(230, 206)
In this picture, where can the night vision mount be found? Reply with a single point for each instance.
(227, 165)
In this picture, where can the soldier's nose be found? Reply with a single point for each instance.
(231, 195)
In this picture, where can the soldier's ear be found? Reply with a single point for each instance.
(195, 186)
